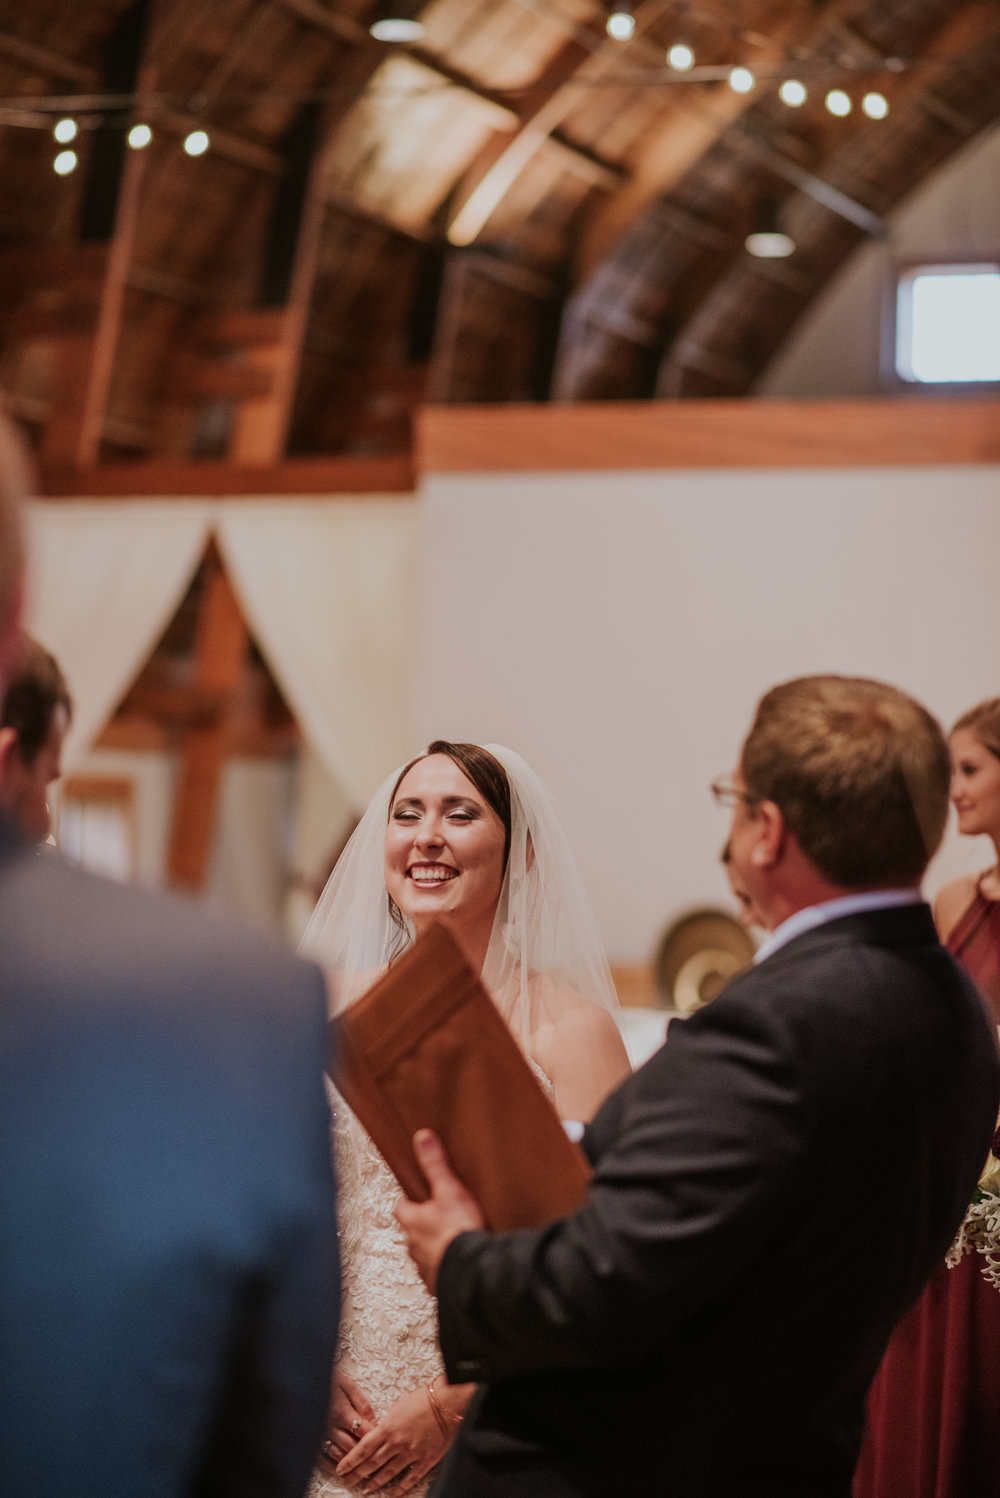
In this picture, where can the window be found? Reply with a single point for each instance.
(948, 324)
(97, 825)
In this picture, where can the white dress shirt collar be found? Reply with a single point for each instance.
(832, 910)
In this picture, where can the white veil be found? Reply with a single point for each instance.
(544, 954)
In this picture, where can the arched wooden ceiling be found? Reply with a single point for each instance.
(512, 208)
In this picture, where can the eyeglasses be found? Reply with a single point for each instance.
(728, 794)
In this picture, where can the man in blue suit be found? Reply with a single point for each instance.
(772, 1189)
(168, 1263)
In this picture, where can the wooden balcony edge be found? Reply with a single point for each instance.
(307, 477)
(896, 431)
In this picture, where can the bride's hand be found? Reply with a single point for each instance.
(351, 1417)
(401, 1448)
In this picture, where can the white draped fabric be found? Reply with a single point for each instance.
(330, 592)
(328, 588)
(104, 579)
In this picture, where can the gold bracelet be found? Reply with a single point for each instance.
(437, 1411)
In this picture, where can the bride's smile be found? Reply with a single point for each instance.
(444, 847)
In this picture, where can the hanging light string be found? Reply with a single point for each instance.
(76, 113)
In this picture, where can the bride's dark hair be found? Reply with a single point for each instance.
(490, 779)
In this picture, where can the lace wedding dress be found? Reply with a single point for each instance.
(388, 1321)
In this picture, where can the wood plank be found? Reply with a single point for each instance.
(321, 477)
(220, 652)
(708, 434)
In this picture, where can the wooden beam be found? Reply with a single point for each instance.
(321, 477)
(708, 434)
(561, 94)
(86, 354)
(221, 648)
(44, 60)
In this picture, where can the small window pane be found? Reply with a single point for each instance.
(948, 324)
(96, 825)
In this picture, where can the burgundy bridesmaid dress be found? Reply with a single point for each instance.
(933, 1415)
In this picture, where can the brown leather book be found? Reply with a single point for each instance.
(425, 1047)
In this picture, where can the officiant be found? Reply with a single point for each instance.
(772, 1189)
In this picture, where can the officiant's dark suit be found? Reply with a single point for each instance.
(168, 1268)
(771, 1189)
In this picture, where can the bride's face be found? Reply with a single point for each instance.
(443, 846)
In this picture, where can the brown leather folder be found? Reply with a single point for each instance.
(426, 1047)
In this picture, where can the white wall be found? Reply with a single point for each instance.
(834, 349)
(617, 629)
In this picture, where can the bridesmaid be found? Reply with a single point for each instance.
(934, 1408)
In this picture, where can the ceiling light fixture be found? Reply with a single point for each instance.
(64, 163)
(839, 103)
(396, 21)
(139, 137)
(197, 143)
(793, 93)
(397, 29)
(64, 131)
(680, 57)
(741, 80)
(767, 239)
(620, 24)
(875, 106)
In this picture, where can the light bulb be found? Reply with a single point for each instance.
(620, 25)
(839, 103)
(792, 92)
(770, 244)
(396, 29)
(197, 143)
(741, 80)
(64, 131)
(65, 163)
(875, 106)
(680, 57)
(139, 137)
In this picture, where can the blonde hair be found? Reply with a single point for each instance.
(860, 772)
(983, 720)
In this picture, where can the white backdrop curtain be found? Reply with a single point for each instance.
(328, 588)
(330, 593)
(104, 579)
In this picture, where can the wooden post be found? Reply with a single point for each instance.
(220, 652)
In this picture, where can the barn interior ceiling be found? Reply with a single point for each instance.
(510, 205)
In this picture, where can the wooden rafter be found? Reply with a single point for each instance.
(560, 94)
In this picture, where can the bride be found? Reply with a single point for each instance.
(466, 836)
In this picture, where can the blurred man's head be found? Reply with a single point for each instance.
(34, 717)
(14, 487)
(842, 786)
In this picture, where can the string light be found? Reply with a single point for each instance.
(768, 239)
(139, 137)
(197, 143)
(396, 29)
(741, 80)
(620, 24)
(65, 163)
(64, 131)
(680, 57)
(792, 93)
(875, 106)
(839, 103)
